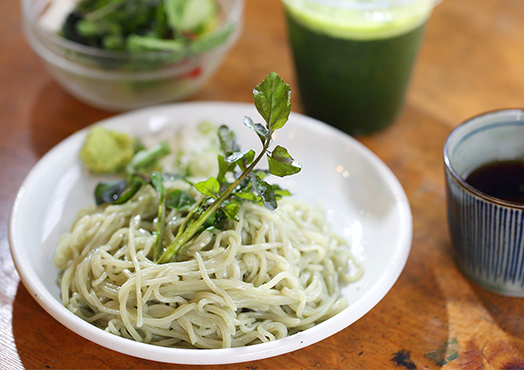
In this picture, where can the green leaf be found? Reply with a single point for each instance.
(178, 199)
(118, 192)
(133, 187)
(248, 195)
(209, 187)
(223, 168)
(146, 159)
(273, 101)
(281, 163)
(174, 11)
(231, 210)
(88, 28)
(266, 192)
(178, 26)
(217, 220)
(262, 173)
(108, 192)
(259, 129)
(157, 181)
(243, 159)
(198, 14)
(227, 140)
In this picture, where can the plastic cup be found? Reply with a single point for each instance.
(353, 58)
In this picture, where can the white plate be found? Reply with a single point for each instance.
(362, 198)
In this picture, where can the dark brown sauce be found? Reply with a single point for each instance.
(502, 179)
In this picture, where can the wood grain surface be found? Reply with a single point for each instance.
(472, 60)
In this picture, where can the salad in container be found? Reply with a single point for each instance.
(124, 54)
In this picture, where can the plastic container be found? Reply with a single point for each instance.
(118, 81)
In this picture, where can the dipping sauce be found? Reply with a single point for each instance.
(501, 179)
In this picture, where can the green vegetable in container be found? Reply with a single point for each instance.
(145, 25)
(237, 181)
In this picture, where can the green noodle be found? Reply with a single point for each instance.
(267, 276)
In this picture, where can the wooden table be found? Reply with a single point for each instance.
(471, 61)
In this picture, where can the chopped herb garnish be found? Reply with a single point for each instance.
(185, 26)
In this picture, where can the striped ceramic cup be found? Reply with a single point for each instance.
(487, 232)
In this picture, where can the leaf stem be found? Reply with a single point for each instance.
(160, 230)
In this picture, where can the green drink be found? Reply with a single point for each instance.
(353, 59)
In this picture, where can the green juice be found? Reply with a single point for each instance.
(352, 77)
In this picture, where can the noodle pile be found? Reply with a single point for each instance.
(269, 275)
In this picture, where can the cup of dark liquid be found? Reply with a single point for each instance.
(484, 165)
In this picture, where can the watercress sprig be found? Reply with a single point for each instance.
(136, 171)
(273, 101)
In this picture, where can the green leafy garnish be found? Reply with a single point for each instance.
(209, 187)
(108, 192)
(178, 199)
(281, 163)
(183, 26)
(119, 192)
(272, 99)
(221, 196)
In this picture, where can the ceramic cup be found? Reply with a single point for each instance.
(487, 232)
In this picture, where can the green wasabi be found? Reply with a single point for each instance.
(107, 151)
